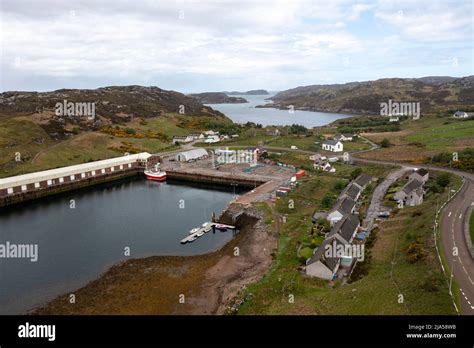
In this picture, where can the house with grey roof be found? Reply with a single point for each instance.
(411, 193)
(321, 264)
(353, 191)
(343, 137)
(420, 175)
(363, 180)
(346, 229)
(461, 114)
(332, 145)
(344, 206)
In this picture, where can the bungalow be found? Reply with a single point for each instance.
(344, 206)
(211, 132)
(411, 194)
(212, 139)
(460, 114)
(353, 191)
(420, 175)
(197, 136)
(332, 145)
(182, 139)
(322, 266)
(363, 180)
(346, 229)
(343, 137)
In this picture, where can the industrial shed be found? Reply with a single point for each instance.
(191, 155)
(48, 178)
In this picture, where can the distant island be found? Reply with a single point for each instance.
(251, 92)
(217, 98)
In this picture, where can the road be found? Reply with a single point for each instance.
(454, 218)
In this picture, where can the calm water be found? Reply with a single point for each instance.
(77, 245)
(242, 113)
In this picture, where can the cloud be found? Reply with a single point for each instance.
(206, 45)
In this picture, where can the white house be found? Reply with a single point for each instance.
(344, 206)
(411, 194)
(212, 139)
(332, 145)
(182, 139)
(420, 175)
(460, 114)
(320, 265)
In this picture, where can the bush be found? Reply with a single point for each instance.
(385, 143)
(130, 131)
(355, 173)
(328, 201)
(443, 180)
(305, 253)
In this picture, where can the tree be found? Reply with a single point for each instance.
(443, 180)
(385, 143)
(339, 186)
(355, 173)
(328, 201)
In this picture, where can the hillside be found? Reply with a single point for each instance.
(433, 92)
(113, 105)
(217, 98)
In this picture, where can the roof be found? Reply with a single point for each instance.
(319, 255)
(344, 205)
(70, 170)
(411, 186)
(319, 215)
(362, 180)
(330, 142)
(345, 227)
(421, 171)
(352, 191)
(193, 154)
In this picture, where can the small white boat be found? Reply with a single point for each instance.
(207, 226)
(192, 238)
(194, 230)
(200, 233)
(221, 227)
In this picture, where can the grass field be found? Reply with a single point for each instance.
(390, 272)
(420, 139)
(39, 152)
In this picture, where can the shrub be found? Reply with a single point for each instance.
(385, 143)
(443, 180)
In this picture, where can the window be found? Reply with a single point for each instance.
(73, 177)
(93, 173)
(50, 182)
(10, 190)
(129, 165)
(103, 171)
(83, 175)
(61, 180)
(23, 187)
(37, 184)
(112, 169)
(121, 167)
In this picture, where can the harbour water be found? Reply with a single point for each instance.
(82, 233)
(247, 112)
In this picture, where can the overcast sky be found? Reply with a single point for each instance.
(199, 46)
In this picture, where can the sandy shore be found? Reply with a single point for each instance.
(201, 284)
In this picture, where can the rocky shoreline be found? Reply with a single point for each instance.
(201, 284)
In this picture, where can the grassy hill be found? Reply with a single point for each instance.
(433, 93)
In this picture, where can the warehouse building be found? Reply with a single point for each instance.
(49, 178)
(191, 155)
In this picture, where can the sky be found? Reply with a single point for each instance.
(198, 46)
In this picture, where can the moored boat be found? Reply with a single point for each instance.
(155, 174)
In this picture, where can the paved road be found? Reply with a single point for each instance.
(377, 197)
(454, 218)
